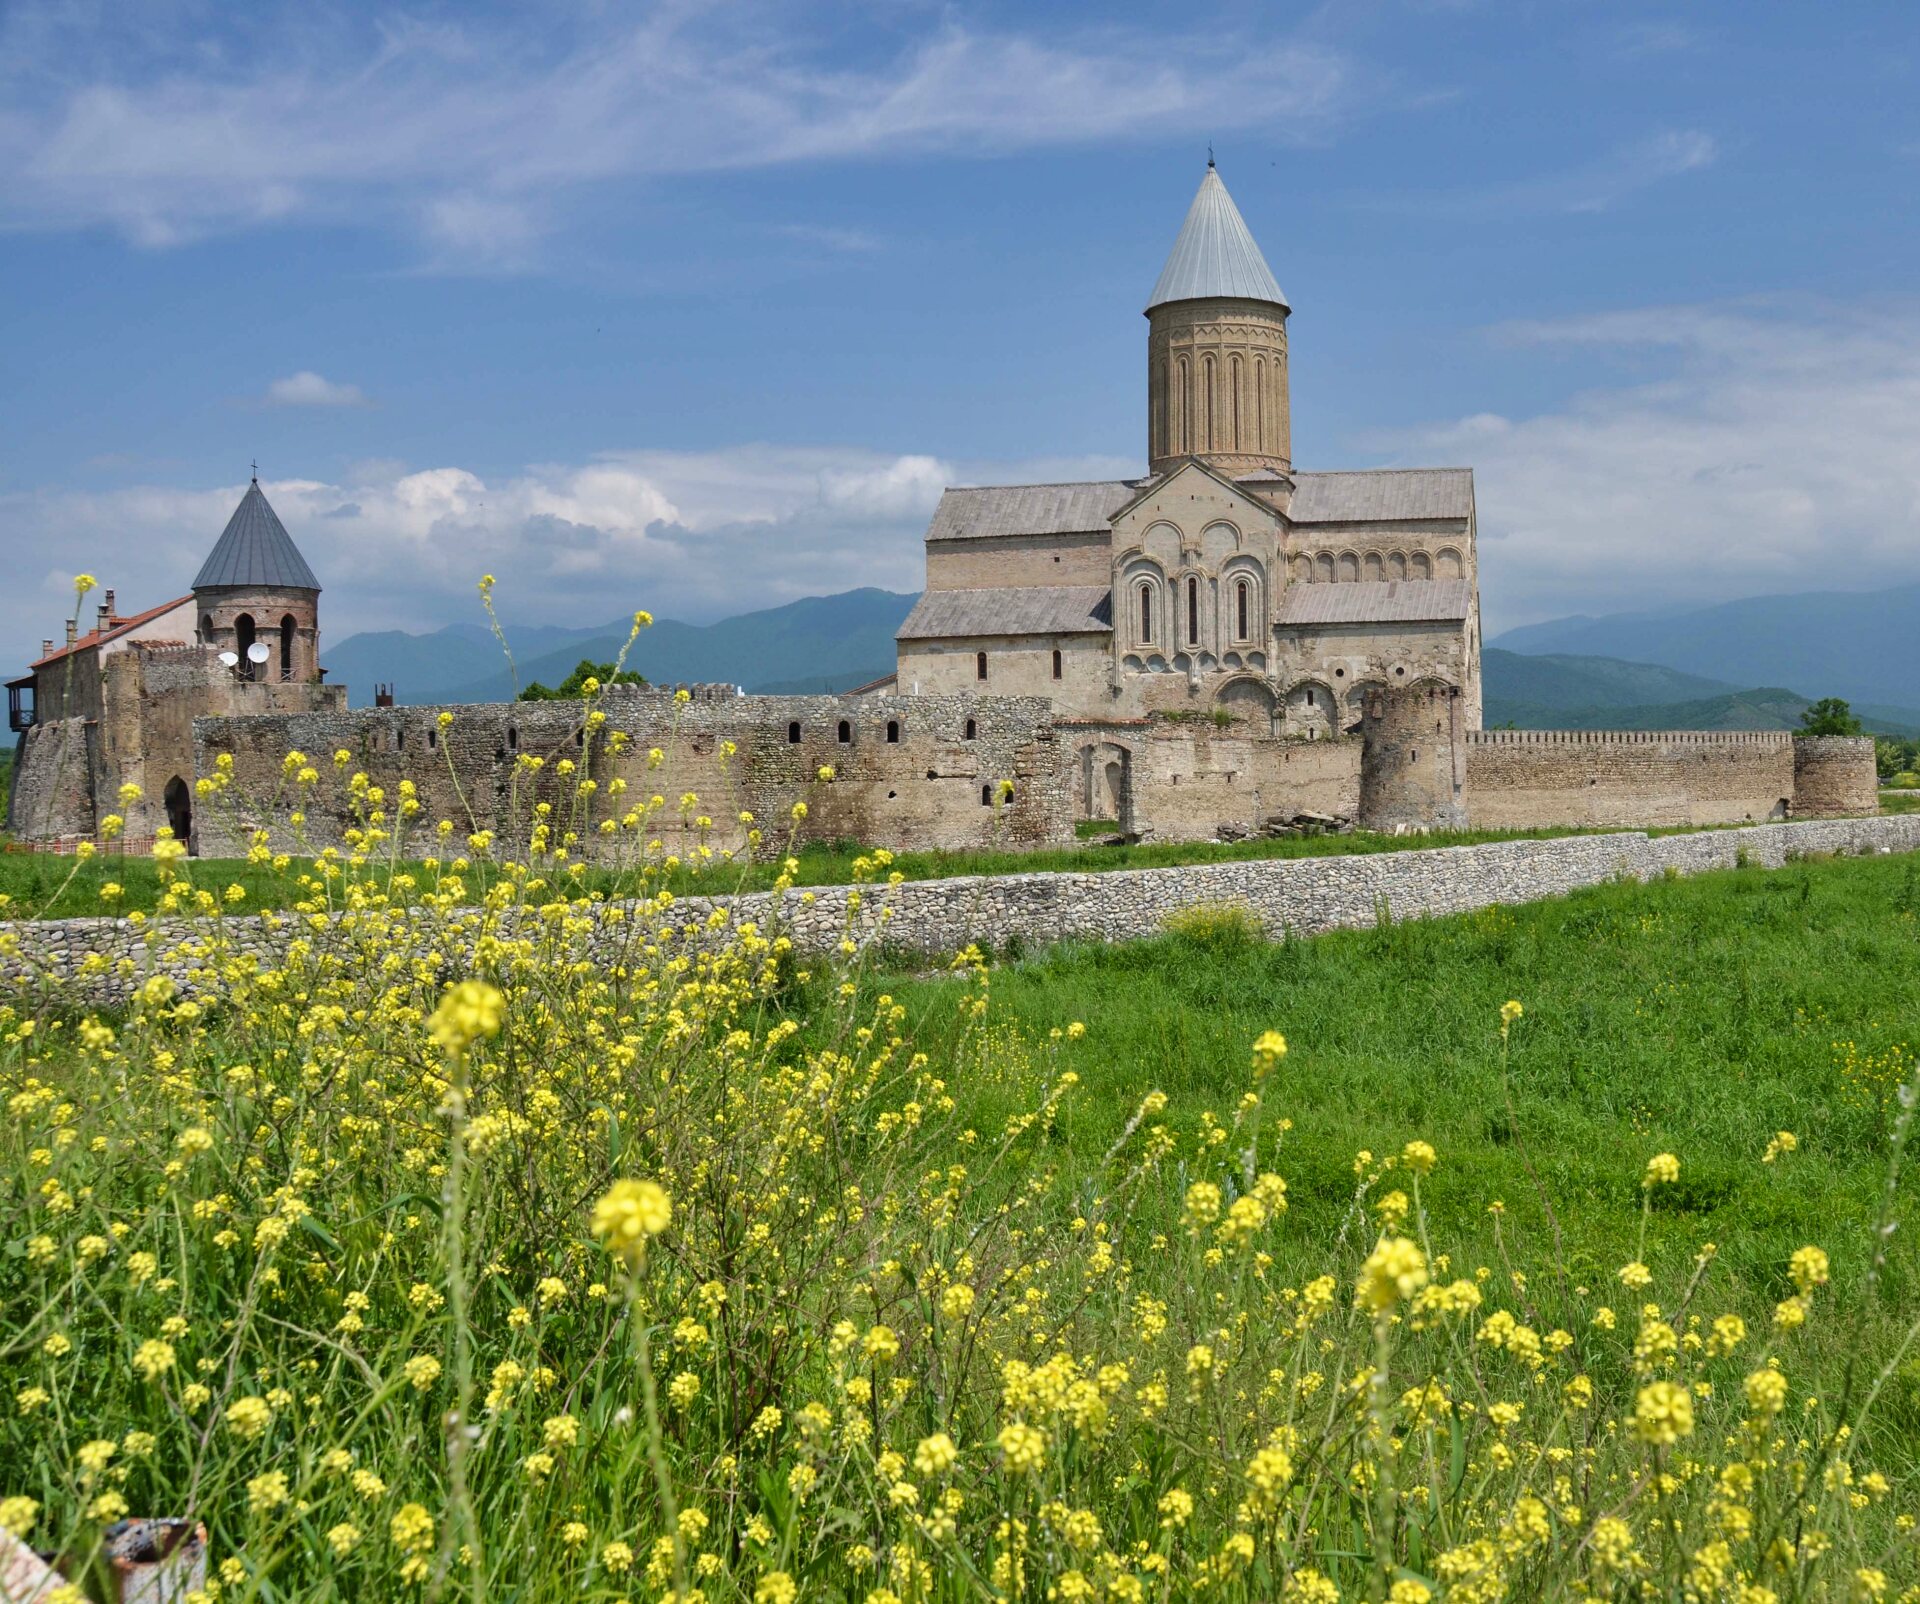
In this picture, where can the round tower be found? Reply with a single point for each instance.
(1412, 760)
(255, 589)
(1217, 346)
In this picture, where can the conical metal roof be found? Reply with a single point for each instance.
(1215, 256)
(256, 551)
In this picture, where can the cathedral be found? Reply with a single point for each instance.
(1224, 582)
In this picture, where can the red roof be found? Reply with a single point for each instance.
(113, 631)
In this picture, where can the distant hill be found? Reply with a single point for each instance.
(1862, 645)
(820, 642)
(1568, 692)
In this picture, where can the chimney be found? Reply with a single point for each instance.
(46, 648)
(106, 612)
(73, 630)
(111, 611)
(383, 695)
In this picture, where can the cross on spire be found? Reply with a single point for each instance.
(256, 468)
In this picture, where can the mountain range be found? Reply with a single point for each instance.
(1691, 669)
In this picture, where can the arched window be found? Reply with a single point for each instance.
(243, 637)
(1243, 609)
(1422, 565)
(1233, 410)
(1207, 386)
(206, 629)
(845, 733)
(288, 629)
(433, 739)
(793, 733)
(513, 739)
(893, 731)
(986, 796)
(1193, 611)
(1145, 593)
(1182, 432)
(1056, 662)
(1323, 568)
(979, 665)
(972, 729)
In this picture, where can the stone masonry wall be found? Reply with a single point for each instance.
(908, 773)
(1834, 775)
(1298, 896)
(52, 795)
(1523, 779)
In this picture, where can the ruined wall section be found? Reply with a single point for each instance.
(1834, 776)
(910, 772)
(52, 796)
(1520, 779)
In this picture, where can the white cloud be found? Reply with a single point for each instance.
(1596, 185)
(1773, 447)
(475, 134)
(689, 534)
(308, 389)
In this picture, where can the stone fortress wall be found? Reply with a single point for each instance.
(909, 772)
(930, 772)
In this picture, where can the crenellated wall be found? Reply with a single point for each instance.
(1519, 779)
(1834, 775)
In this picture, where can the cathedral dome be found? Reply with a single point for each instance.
(1215, 257)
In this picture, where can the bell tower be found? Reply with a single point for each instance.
(256, 590)
(1217, 346)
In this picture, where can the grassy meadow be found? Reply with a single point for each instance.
(451, 1267)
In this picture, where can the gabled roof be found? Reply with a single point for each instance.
(1215, 256)
(256, 551)
(982, 511)
(1391, 601)
(1010, 610)
(113, 631)
(1382, 495)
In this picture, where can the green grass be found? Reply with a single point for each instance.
(45, 885)
(1696, 1016)
(1892, 802)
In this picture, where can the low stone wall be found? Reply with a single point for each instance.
(1298, 896)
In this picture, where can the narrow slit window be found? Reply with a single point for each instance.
(972, 729)
(1056, 662)
(793, 733)
(979, 665)
(1193, 612)
(1146, 615)
(893, 731)
(1243, 608)
(846, 733)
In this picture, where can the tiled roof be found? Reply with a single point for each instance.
(1015, 610)
(1380, 495)
(1215, 255)
(1392, 601)
(983, 511)
(119, 627)
(256, 550)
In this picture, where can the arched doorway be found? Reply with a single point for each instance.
(178, 798)
(288, 628)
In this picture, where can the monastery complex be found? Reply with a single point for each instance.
(1223, 646)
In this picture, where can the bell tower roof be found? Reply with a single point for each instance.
(255, 551)
(1215, 256)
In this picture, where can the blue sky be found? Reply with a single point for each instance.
(697, 306)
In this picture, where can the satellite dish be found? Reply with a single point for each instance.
(258, 652)
(229, 659)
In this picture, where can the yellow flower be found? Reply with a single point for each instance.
(1419, 1157)
(1509, 1012)
(1024, 1446)
(268, 1491)
(880, 1343)
(1395, 1269)
(1662, 1168)
(247, 1418)
(153, 1359)
(1809, 1269)
(1783, 1142)
(776, 1587)
(936, 1455)
(17, 1515)
(1269, 1047)
(82, 583)
(421, 1371)
(1634, 1276)
(468, 1012)
(1663, 1413)
(411, 1528)
(1766, 1392)
(629, 1216)
(343, 1538)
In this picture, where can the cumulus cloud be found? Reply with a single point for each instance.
(693, 534)
(1750, 448)
(473, 133)
(308, 389)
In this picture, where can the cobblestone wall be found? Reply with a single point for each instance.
(1302, 896)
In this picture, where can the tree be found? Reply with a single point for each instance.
(574, 686)
(1829, 716)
